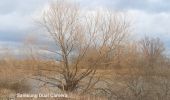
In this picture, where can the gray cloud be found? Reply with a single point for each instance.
(150, 16)
(20, 6)
(145, 5)
(152, 6)
(17, 18)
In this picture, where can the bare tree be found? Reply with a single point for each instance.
(76, 34)
(145, 85)
(152, 49)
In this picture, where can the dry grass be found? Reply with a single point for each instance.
(13, 72)
(11, 78)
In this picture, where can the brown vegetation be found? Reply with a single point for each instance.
(94, 61)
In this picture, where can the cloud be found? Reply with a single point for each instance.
(147, 23)
(152, 6)
(150, 17)
(17, 18)
(21, 6)
(19, 14)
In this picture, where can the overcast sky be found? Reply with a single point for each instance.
(150, 17)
